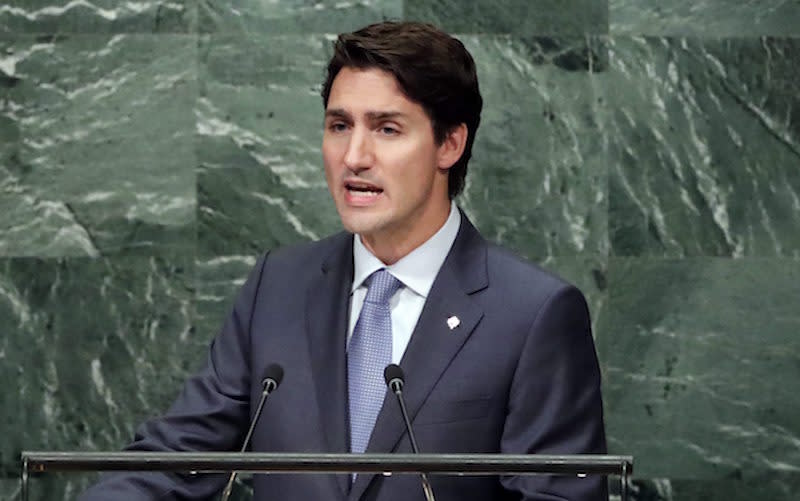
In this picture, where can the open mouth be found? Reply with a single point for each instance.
(362, 189)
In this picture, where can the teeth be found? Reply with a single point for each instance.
(363, 189)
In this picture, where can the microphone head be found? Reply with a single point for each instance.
(393, 374)
(272, 374)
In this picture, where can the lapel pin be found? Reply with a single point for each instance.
(453, 322)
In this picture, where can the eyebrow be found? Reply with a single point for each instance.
(371, 115)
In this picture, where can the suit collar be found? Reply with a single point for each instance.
(434, 343)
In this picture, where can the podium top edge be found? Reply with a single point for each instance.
(38, 455)
(42, 461)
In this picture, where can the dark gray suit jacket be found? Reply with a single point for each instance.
(518, 375)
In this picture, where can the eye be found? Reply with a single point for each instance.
(337, 126)
(389, 130)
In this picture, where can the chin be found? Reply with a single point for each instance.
(362, 224)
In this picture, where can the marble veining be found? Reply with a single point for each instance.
(694, 351)
(520, 17)
(88, 170)
(704, 144)
(293, 16)
(707, 18)
(97, 16)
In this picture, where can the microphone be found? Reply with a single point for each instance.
(393, 375)
(273, 375)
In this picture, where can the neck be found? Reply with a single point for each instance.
(393, 247)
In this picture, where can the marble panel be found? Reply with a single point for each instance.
(256, 17)
(708, 18)
(218, 281)
(261, 183)
(100, 158)
(704, 147)
(537, 180)
(91, 347)
(97, 16)
(741, 486)
(520, 17)
(700, 357)
(10, 485)
(590, 275)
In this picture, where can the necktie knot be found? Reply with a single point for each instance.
(381, 287)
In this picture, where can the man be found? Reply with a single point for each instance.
(498, 354)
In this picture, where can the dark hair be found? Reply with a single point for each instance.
(432, 69)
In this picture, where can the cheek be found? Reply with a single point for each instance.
(330, 175)
(331, 147)
(329, 160)
(410, 156)
(331, 180)
(420, 166)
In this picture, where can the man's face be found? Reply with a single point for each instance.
(385, 172)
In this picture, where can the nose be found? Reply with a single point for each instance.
(359, 153)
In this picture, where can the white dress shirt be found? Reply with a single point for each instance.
(416, 271)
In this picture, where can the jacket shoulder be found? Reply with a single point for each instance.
(507, 267)
(309, 253)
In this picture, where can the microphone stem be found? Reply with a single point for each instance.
(268, 387)
(426, 485)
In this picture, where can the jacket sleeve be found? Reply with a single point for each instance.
(211, 413)
(554, 404)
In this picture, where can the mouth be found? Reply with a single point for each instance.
(362, 188)
(359, 192)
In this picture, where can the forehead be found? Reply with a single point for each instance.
(368, 90)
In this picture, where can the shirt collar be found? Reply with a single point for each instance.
(418, 269)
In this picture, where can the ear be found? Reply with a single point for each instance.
(452, 147)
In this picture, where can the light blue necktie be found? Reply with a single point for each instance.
(369, 352)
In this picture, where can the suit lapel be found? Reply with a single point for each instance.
(326, 316)
(434, 344)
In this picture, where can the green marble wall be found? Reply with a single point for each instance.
(647, 150)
